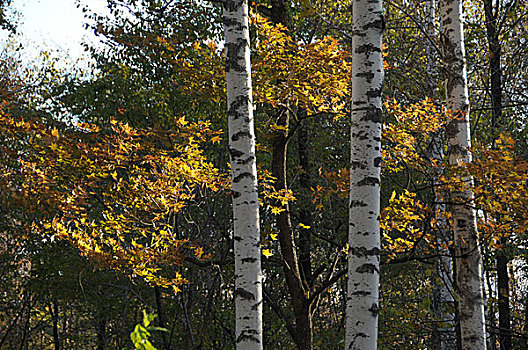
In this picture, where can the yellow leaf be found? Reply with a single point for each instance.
(306, 227)
(276, 210)
(216, 139)
(273, 236)
(55, 132)
(266, 252)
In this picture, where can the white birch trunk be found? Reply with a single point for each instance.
(365, 169)
(444, 335)
(431, 15)
(468, 260)
(248, 274)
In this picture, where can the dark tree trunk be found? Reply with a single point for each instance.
(304, 212)
(503, 281)
(54, 310)
(101, 329)
(495, 50)
(296, 269)
(296, 286)
(161, 316)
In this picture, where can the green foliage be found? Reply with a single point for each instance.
(142, 332)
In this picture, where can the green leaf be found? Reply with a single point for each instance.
(148, 318)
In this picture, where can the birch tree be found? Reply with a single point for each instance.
(443, 332)
(248, 274)
(468, 259)
(365, 161)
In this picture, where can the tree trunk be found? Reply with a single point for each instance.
(246, 233)
(297, 269)
(443, 337)
(525, 327)
(101, 328)
(467, 250)
(161, 316)
(503, 282)
(298, 289)
(305, 214)
(495, 50)
(490, 310)
(54, 311)
(365, 170)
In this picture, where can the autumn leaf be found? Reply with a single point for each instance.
(267, 252)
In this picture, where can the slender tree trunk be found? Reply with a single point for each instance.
(467, 250)
(503, 284)
(495, 50)
(248, 274)
(444, 334)
(305, 215)
(54, 311)
(297, 268)
(101, 329)
(492, 337)
(365, 170)
(296, 286)
(161, 316)
(431, 12)
(444, 337)
(26, 327)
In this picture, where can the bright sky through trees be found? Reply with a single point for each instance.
(53, 25)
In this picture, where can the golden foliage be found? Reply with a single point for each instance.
(111, 193)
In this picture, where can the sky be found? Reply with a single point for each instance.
(54, 25)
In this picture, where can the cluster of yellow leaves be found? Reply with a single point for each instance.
(496, 179)
(501, 191)
(287, 73)
(202, 68)
(112, 193)
(405, 138)
(334, 183)
(402, 221)
(413, 126)
(275, 202)
(271, 198)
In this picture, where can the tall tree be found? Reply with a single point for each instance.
(443, 332)
(493, 29)
(365, 170)
(468, 259)
(248, 274)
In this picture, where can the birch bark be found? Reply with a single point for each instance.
(443, 333)
(248, 274)
(468, 259)
(365, 161)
